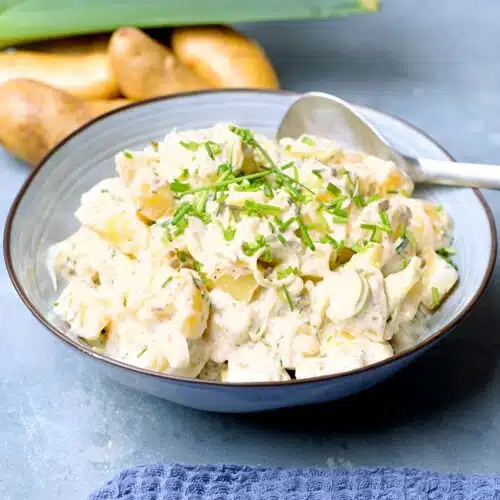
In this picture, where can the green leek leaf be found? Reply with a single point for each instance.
(28, 20)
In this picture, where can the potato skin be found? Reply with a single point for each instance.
(78, 65)
(35, 117)
(224, 57)
(145, 68)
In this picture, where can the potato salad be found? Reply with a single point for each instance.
(224, 255)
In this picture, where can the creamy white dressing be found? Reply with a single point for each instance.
(224, 255)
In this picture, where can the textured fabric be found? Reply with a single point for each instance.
(237, 482)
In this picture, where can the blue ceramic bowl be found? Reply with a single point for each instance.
(42, 214)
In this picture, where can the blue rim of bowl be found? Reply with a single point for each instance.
(428, 342)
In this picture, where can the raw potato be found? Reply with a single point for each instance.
(78, 65)
(224, 57)
(35, 117)
(144, 68)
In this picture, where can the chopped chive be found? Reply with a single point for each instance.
(154, 145)
(203, 216)
(180, 213)
(247, 137)
(143, 350)
(365, 225)
(321, 218)
(229, 233)
(372, 198)
(202, 202)
(340, 220)
(333, 189)
(287, 295)
(284, 273)
(268, 190)
(307, 141)
(358, 200)
(167, 281)
(306, 238)
(435, 297)
(288, 165)
(128, 155)
(406, 194)
(361, 248)
(213, 149)
(249, 249)
(385, 224)
(317, 173)
(55, 304)
(227, 182)
(439, 208)
(446, 253)
(179, 187)
(281, 238)
(191, 145)
(338, 245)
(261, 209)
(376, 236)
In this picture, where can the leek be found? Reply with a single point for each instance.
(29, 20)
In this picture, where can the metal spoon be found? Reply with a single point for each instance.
(328, 116)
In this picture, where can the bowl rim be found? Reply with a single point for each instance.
(428, 342)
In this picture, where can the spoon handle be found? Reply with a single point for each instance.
(451, 173)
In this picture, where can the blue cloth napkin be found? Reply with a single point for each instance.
(238, 482)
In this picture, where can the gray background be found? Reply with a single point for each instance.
(64, 430)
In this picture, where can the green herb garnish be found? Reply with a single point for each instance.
(333, 189)
(248, 138)
(281, 238)
(288, 298)
(143, 350)
(229, 233)
(361, 248)
(167, 281)
(227, 182)
(435, 297)
(338, 245)
(446, 254)
(179, 187)
(307, 141)
(191, 145)
(212, 149)
(284, 273)
(317, 173)
(261, 209)
(154, 145)
(340, 220)
(304, 234)
(183, 209)
(384, 225)
(128, 155)
(250, 249)
(372, 198)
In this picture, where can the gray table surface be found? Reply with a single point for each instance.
(65, 430)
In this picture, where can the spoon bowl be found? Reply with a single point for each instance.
(325, 115)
